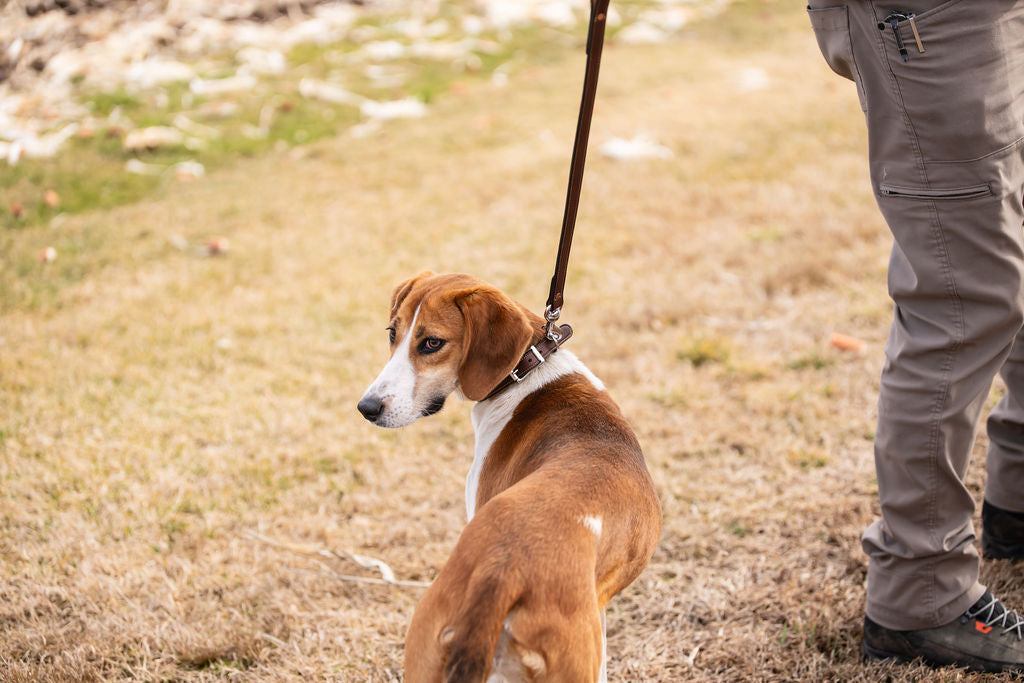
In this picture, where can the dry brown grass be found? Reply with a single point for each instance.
(163, 408)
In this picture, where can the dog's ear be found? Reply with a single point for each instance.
(402, 291)
(497, 334)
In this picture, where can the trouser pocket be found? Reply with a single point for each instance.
(934, 193)
(832, 30)
(960, 76)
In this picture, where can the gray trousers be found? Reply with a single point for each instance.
(946, 151)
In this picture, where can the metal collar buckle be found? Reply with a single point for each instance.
(515, 371)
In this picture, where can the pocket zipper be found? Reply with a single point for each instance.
(939, 193)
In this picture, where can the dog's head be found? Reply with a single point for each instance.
(447, 333)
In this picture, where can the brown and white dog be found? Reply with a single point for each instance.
(562, 511)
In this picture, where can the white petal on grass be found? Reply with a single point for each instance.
(189, 169)
(154, 71)
(142, 168)
(410, 107)
(187, 125)
(472, 25)
(752, 79)
(260, 61)
(639, 147)
(219, 86)
(33, 146)
(669, 19)
(642, 33)
(383, 50)
(153, 137)
(14, 49)
(365, 129)
(329, 92)
(557, 14)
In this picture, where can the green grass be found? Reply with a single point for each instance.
(704, 350)
(89, 174)
(814, 360)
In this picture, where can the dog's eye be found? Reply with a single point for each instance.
(391, 335)
(431, 345)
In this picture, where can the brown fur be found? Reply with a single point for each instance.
(566, 453)
(485, 330)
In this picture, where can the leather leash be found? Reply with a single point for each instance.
(554, 334)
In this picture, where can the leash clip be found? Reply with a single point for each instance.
(551, 330)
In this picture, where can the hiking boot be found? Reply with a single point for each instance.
(1002, 535)
(986, 638)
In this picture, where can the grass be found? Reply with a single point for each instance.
(90, 171)
(162, 410)
(704, 350)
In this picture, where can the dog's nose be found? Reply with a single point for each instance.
(371, 407)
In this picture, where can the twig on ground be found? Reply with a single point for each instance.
(387, 574)
(272, 639)
(362, 579)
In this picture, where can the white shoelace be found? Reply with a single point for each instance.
(1008, 619)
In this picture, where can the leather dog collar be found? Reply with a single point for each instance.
(532, 359)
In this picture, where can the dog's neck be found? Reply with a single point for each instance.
(490, 416)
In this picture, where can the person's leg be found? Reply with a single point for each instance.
(947, 164)
(1003, 511)
(955, 276)
(1004, 486)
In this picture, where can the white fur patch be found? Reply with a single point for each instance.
(592, 522)
(491, 416)
(396, 384)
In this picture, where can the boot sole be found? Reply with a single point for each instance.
(871, 654)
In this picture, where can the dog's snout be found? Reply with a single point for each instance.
(371, 407)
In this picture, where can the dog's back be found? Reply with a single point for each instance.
(566, 517)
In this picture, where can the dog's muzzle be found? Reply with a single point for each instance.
(435, 405)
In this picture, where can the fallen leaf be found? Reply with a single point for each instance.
(153, 137)
(188, 170)
(847, 343)
(217, 246)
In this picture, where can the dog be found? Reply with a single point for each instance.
(562, 510)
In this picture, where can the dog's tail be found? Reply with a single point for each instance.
(472, 640)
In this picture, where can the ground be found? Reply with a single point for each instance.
(182, 469)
